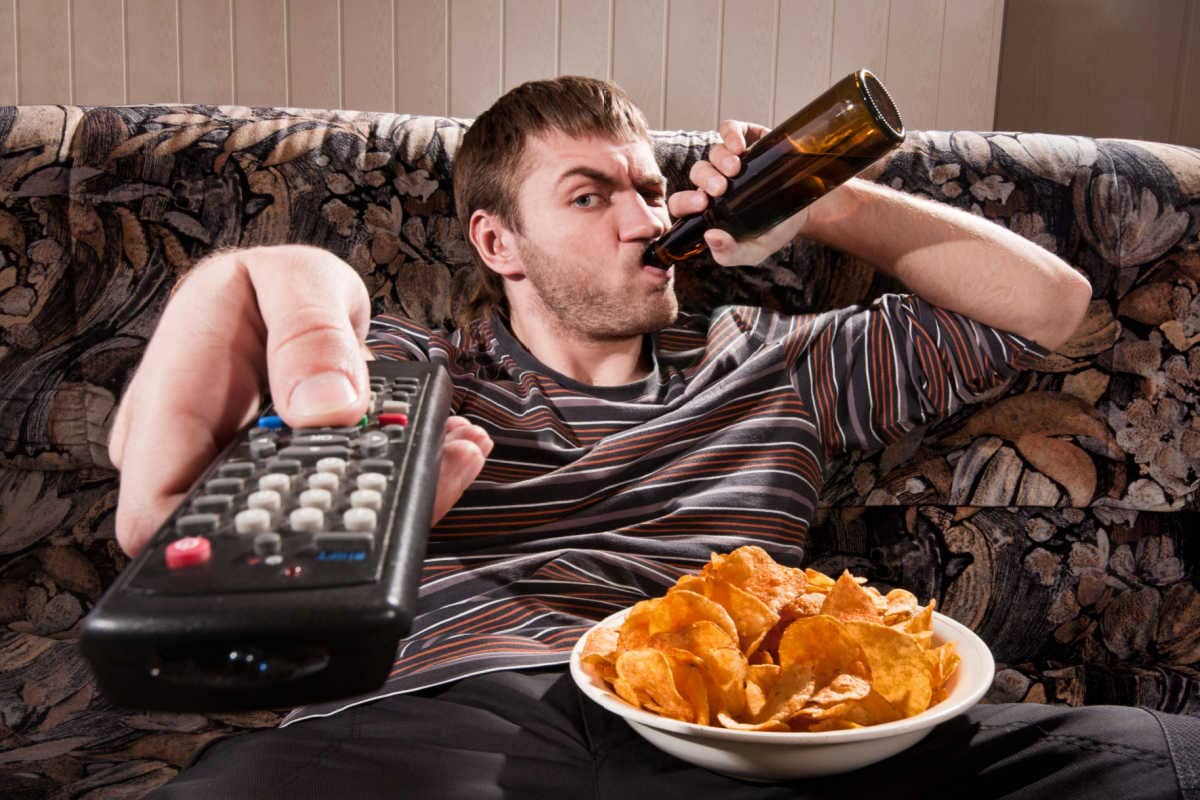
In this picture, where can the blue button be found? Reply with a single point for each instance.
(270, 422)
(341, 555)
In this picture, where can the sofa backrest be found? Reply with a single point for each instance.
(103, 209)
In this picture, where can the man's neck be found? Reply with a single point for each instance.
(591, 361)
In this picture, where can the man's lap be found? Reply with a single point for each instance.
(532, 734)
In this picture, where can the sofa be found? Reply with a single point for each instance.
(1052, 517)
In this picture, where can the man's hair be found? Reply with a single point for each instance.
(490, 165)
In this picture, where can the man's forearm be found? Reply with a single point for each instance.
(955, 260)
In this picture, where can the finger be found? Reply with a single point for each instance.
(706, 178)
(463, 456)
(316, 311)
(722, 245)
(733, 135)
(199, 382)
(688, 201)
(724, 159)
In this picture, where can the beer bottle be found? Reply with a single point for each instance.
(815, 150)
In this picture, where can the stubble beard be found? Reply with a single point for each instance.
(590, 312)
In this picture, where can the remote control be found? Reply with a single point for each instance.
(289, 572)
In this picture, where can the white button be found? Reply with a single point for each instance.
(372, 480)
(307, 519)
(253, 520)
(266, 499)
(335, 465)
(323, 480)
(275, 482)
(366, 498)
(359, 519)
(316, 498)
(394, 407)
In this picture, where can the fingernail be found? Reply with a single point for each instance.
(714, 186)
(322, 394)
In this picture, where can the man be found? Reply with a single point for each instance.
(601, 448)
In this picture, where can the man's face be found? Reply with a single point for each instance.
(589, 207)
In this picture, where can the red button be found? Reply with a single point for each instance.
(188, 552)
(393, 419)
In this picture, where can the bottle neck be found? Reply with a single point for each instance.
(683, 241)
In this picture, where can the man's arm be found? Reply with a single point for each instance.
(947, 256)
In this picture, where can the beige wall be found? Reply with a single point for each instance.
(1124, 68)
(688, 63)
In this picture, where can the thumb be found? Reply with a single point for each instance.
(316, 311)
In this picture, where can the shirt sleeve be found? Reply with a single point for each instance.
(878, 372)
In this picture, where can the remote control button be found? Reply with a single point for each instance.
(275, 482)
(197, 524)
(272, 422)
(311, 455)
(268, 500)
(189, 552)
(261, 448)
(307, 519)
(342, 542)
(324, 480)
(268, 544)
(236, 469)
(366, 498)
(373, 443)
(393, 419)
(395, 432)
(213, 504)
(346, 430)
(394, 407)
(320, 439)
(381, 465)
(316, 498)
(334, 466)
(232, 486)
(359, 519)
(252, 520)
(372, 480)
(288, 466)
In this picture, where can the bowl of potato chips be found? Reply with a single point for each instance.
(767, 672)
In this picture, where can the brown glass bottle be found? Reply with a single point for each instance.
(818, 148)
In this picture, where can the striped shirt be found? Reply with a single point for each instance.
(594, 498)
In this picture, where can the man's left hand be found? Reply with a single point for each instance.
(710, 176)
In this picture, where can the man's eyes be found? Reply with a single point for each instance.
(583, 197)
(593, 199)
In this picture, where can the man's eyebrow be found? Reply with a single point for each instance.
(645, 183)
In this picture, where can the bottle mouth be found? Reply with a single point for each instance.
(881, 105)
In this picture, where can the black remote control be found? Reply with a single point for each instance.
(289, 572)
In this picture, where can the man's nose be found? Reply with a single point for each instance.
(642, 221)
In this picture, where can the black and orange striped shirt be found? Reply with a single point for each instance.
(596, 497)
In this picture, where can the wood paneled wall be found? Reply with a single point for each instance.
(1123, 68)
(688, 63)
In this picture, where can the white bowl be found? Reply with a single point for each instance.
(773, 755)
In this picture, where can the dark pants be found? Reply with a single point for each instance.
(533, 735)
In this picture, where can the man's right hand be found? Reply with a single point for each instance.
(291, 319)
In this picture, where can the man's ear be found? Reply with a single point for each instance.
(496, 245)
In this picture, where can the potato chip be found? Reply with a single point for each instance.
(650, 682)
(751, 615)
(821, 642)
(848, 600)
(899, 670)
(680, 608)
(751, 569)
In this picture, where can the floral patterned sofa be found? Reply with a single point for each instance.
(1052, 518)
